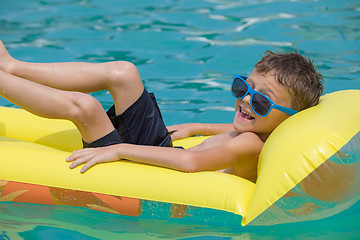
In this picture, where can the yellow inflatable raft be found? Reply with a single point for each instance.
(308, 169)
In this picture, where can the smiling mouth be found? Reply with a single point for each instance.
(244, 114)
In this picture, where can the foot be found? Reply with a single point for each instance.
(5, 59)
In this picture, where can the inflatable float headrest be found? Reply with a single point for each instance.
(303, 143)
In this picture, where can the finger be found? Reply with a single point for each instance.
(77, 154)
(176, 136)
(71, 158)
(81, 150)
(81, 160)
(88, 165)
(172, 127)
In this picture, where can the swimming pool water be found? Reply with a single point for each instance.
(186, 52)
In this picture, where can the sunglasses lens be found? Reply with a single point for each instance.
(239, 88)
(261, 104)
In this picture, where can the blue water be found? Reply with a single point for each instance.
(186, 52)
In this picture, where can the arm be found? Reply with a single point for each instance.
(192, 129)
(234, 152)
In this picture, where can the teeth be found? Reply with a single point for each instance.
(247, 114)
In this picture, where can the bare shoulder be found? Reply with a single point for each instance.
(232, 142)
(247, 140)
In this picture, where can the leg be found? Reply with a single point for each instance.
(80, 77)
(120, 78)
(82, 109)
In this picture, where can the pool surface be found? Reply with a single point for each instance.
(186, 52)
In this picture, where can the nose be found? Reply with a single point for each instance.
(247, 99)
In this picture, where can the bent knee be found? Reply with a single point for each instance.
(122, 73)
(84, 107)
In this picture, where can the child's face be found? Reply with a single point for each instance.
(248, 121)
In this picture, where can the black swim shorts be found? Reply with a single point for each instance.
(140, 124)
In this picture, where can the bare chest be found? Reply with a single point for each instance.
(245, 169)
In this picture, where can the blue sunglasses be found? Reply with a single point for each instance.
(260, 104)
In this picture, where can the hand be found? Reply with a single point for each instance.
(93, 156)
(180, 131)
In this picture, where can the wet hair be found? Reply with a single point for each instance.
(297, 73)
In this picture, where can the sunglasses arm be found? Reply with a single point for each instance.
(285, 109)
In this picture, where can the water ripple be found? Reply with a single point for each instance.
(242, 42)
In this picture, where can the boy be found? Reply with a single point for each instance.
(133, 128)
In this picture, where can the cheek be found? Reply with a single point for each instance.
(278, 118)
(237, 102)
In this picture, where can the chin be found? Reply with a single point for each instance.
(241, 127)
